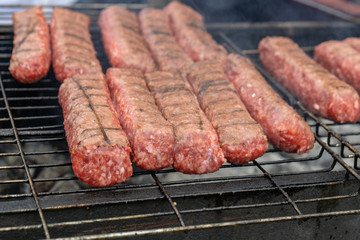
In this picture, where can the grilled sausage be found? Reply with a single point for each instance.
(99, 148)
(285, 129)
(150, 135)
(72, 47)
(240, 137)
(190, 32)
(155, 27)
(353, 42)
(319, 90)
(31, 54)
(122, 40)
(340, 59)
(197, 149)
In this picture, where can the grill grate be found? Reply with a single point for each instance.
(41, 198)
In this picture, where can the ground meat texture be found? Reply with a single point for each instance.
(31, 54)
(353, 42)
(340, 59)
(189, 30)
(99, 148)
(72, 47)
(284, 128)
(150, 135)
(155, 27)
(197, 149)
(241, 138)
(319, 90)
(123, 43)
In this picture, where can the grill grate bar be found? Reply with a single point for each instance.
(30, 181)
(172, 203)
(210, 225)
(283, 192)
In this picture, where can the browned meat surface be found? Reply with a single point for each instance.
(31, 54)
(197, 149)
(318, 89)
(99, 148)
(72, 47)
(285, 129)
(240, 137)
(150, 135)
(189, 30)
(155, 27)
(123, 43)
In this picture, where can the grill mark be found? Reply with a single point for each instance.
(175, 104)
(90, 50)
(83, 54)
(158, 32)
(218, 90)
(77, 37)
(228, 112)
(204, 85)
(30, 28)
(194, 25)
(91, 106)
(217, 101)
(131, 28)
(234, 124)
(72, 23)
(96, 129)
(77, 60)
(173, 88)
(27, 50)
(162, 41)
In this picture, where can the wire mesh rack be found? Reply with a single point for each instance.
(314, 193)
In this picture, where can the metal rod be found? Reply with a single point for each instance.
(163, 190)
(210, 225)
(286, 195)
(32, 187)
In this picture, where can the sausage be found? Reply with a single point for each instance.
(72, 47)
(122, 40)
(189, 30)
(285, 129)
(31, 54)
(340, 59)
(319, 90)
(241, 138)
(150, 135)
(155, 27)
(99, 148)
(197, 149)
(354, 42)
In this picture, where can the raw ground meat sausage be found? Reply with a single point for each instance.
(189, 30)
(122, 40)
(155, 27)
(31, 54)
(285, 129)
(318, 89)
(72, 47)
(99, 148)
(197, 149)
(240, 137)
(150, 135)
(341, 59)
(353, 42)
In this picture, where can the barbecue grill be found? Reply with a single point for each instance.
(315, 195)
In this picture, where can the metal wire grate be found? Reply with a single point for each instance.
(41, 198)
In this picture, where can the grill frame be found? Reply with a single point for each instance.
(341, 155)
